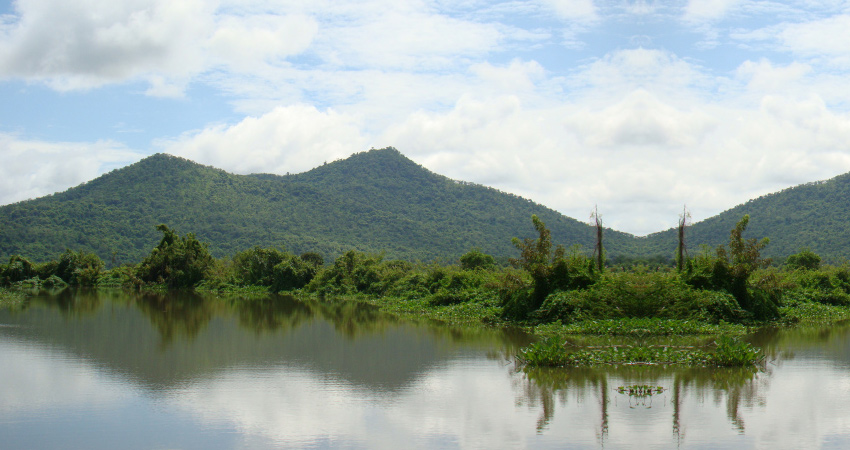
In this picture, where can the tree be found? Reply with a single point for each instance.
(549, 270)
(730, 270)
(476, 259)
(805, 260)
(79, 268)
(598, 250)
(681, 252)
(178, 262)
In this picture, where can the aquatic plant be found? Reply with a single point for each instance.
(731, 352)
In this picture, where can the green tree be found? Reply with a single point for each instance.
(179, 262)
(805, 259)
(730, 270)
(79, 268)
(476, 259)
(549, 271)
(18, 269)
(256, 266)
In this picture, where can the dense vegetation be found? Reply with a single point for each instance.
(375, 201)
(554, 291)
(815, 216)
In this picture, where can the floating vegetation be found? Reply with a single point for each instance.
(640, 327)
(728, 352)
(640, 390)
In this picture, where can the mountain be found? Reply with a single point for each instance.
(374, 201)
(813, 215)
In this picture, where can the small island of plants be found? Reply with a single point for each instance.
(584, 312)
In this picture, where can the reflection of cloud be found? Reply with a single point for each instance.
(459, 405)
(466, 402)
(34, 378)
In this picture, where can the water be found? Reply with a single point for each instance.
(93, 370)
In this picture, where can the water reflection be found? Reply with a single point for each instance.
(275, 372)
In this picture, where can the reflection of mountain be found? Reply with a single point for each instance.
(164, 340)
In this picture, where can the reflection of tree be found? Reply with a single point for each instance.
(739, 387)
(271, 313)
(77, 302)
(175, 314)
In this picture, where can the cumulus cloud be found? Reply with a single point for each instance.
(78, 45)
(83, 45)
(33, 169)
(639, 153)
(286, 139)
(482, 91)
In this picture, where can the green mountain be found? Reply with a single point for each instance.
(813, 215)
(375, 201)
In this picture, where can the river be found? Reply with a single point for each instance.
(110, 369)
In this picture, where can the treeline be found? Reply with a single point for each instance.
(545, 283)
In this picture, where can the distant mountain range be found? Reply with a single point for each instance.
(375, 201)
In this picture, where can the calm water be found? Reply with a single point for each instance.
(112, 370)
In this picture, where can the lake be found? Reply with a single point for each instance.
(110, 369)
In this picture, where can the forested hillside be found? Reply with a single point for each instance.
(814, 216)
(375, 201)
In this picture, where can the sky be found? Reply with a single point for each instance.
(639, 108)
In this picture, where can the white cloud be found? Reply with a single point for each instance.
(581, 10)
(243, 42)
(640, 119)
(79, 45)
(707, 10)
(33, 169)
(825, 38)
(286, 139)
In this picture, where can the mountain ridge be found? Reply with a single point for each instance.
(374, 201)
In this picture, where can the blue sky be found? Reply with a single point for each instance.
(639, 107)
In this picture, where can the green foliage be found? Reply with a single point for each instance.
(734, 353)
(351, 273)
(546, 353)
(805, 260)
(179, 262)
(18, 269)
(552, 352)
(637, 295)
(643, 327)
(79, 268)
(255, 266)
(374, 201)
(476, 259)
(292, 273)
(549, 271)
(730, 270)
